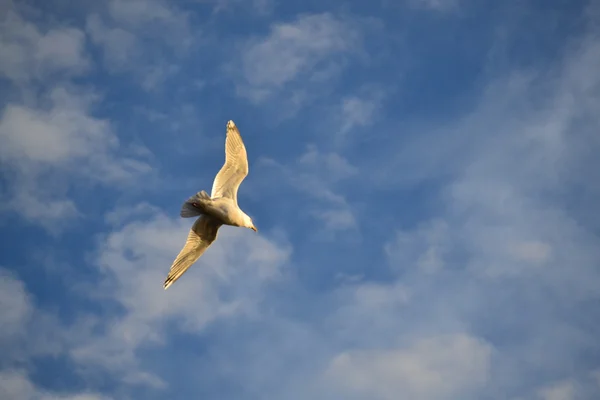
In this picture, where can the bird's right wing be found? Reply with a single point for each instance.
(235, 169)
(201, 236)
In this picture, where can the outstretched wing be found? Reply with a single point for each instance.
(235, 169)
(201, 236)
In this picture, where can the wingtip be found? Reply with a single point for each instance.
(230, 124)
(167, 284)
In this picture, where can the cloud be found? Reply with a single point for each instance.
(482, 283)
(29, 54)
(119, 45)
(503, 237)
(425, 248)
(15, 305)
(582, 387)
(133, 261)
(558, 391)
(436, 5)
(28, 333)
(135, 35)
(534, 251)
(261, 7)
(15, 384)
(442, 367)
(316, 175)
(56, 138)
(360, 109)
(312, 47)
(141, 13)
(49, 134)
(55, 135)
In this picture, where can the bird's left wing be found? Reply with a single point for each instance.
(235, 169)
(201, 236)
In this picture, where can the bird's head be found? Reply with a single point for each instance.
(248, 223)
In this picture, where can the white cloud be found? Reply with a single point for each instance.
(134, 260)
(426, 248)
(515, 259)
(436, 5)
(50, 136)
(358, 110)
(337, 167)
(441, 367)
(29, 54)
(574, 387)
(534, 251)
(595, 376)
(137, 36)
(512, 234)
(141, 13)
(558, 391)
(119, 45)
(155, 244)
(261, 7)
(336, 219)
(15, 306)
(307, 48)
(58, 137)
(15, 384)
(511, 188)
(316, 175)
(509, 162)
(377, 305)
(28, 333)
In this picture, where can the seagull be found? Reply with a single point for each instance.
(220, 208)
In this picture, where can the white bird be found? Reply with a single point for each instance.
(220, 208)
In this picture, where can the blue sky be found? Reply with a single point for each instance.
(423, 174)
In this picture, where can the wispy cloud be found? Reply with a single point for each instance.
(424, 248)
(15, 384)
(59, 137)
(436, 5)
(133, 261)
(310, 48)
(31, 54)
(430, 368)
(48, 131)
(504, 223)
(356, 112)
(133, 35)
(28, 333)
(440, 254)
(261, 7)
(315, 175)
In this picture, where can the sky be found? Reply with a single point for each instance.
(423, 176)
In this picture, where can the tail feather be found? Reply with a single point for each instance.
(192, 206)
(189, 210)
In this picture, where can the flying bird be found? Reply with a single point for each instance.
(220, 208)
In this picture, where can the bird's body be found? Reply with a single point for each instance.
(220, 208)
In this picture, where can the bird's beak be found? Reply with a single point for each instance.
(254, 228)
